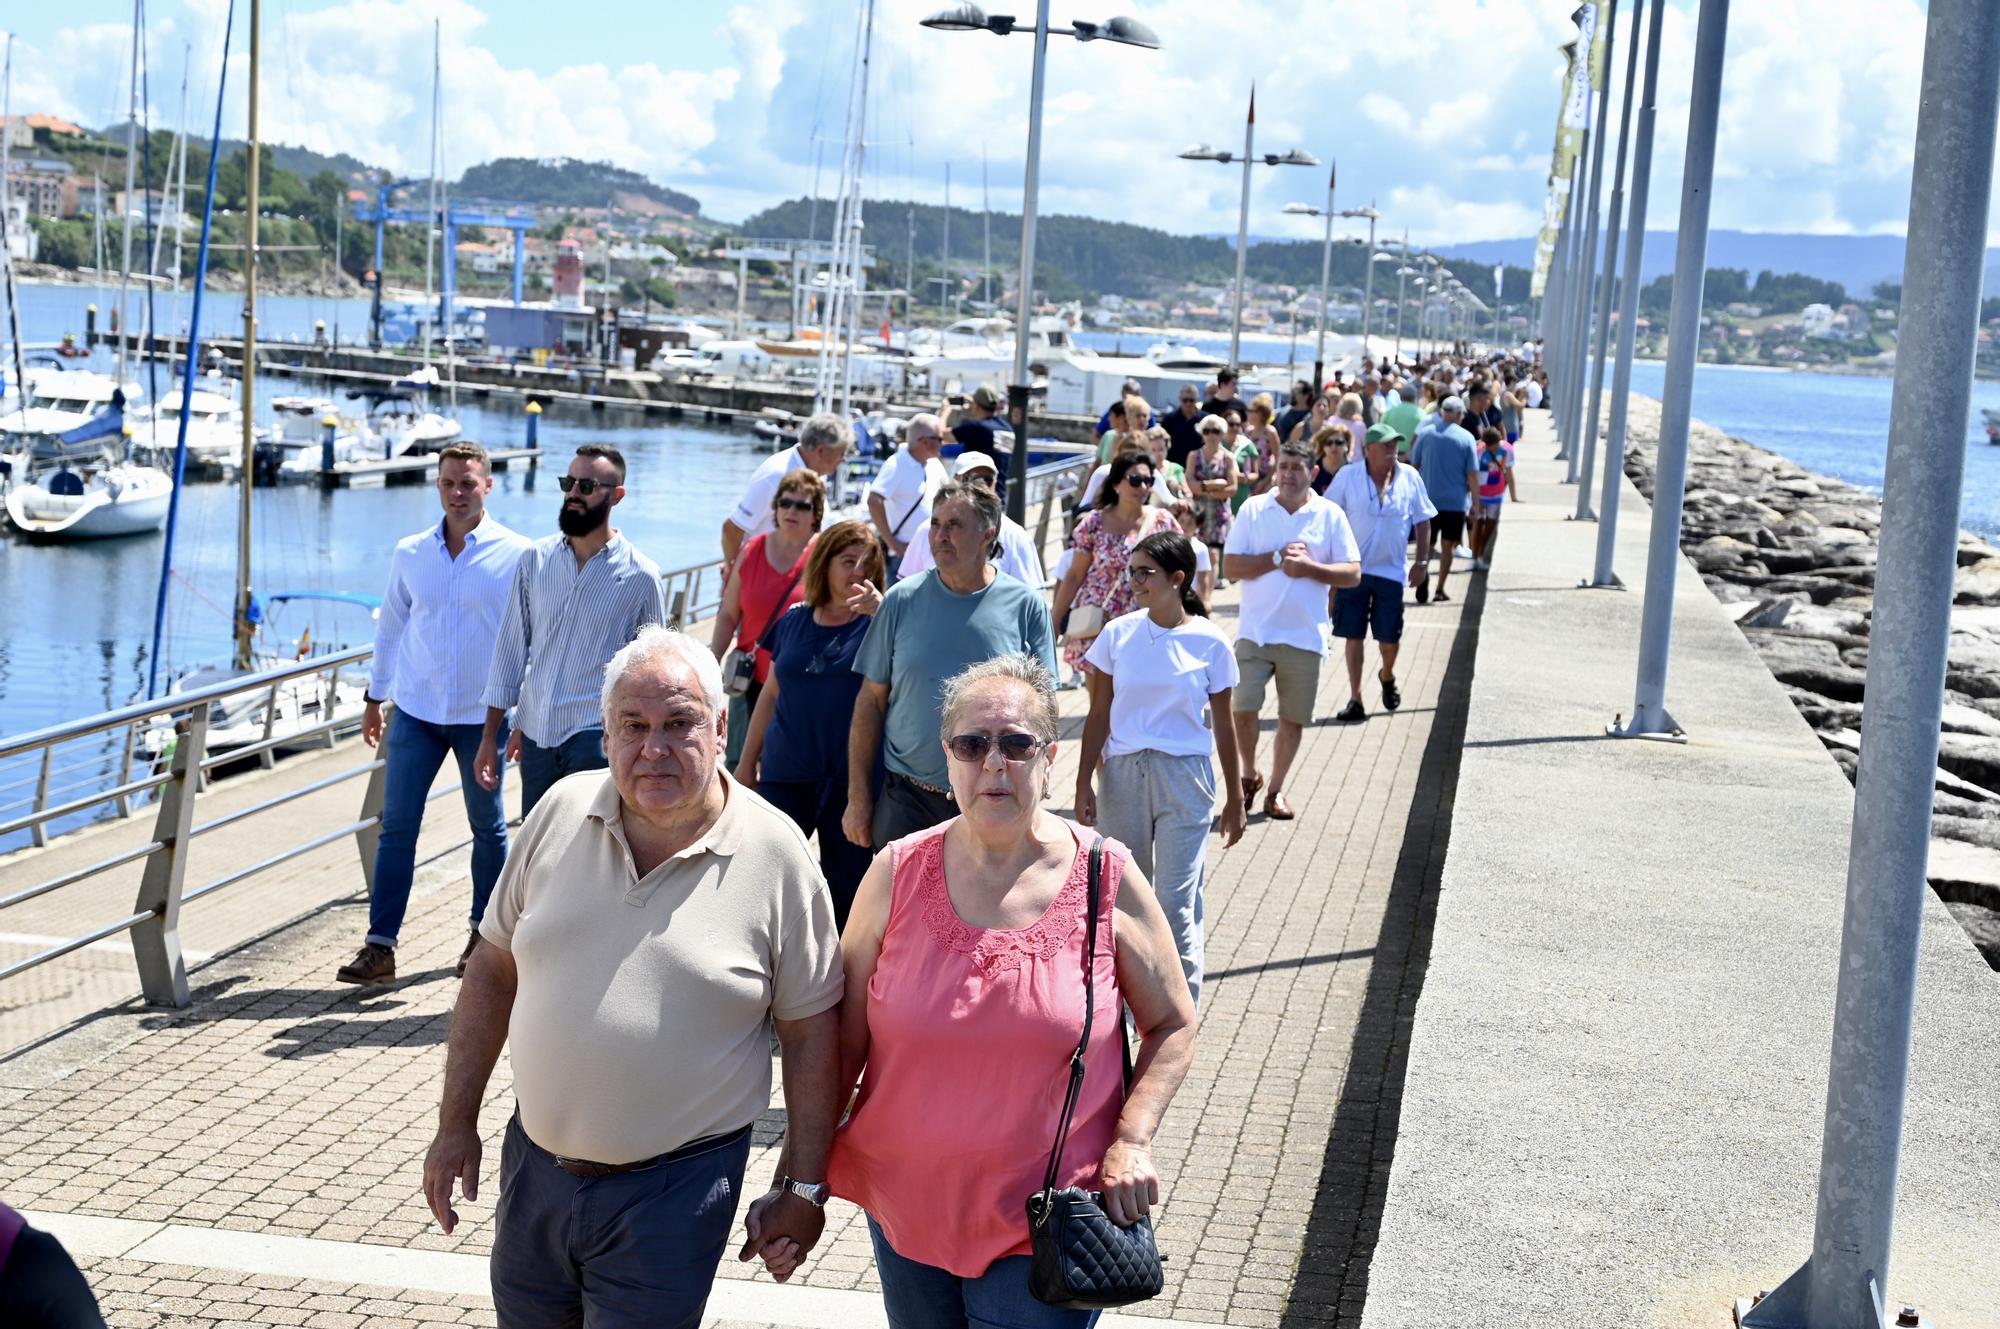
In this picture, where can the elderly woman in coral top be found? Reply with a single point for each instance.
(964, 958)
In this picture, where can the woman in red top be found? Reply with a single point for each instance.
(964, 958)
(766, 581)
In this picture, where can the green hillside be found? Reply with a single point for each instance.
(567, 182)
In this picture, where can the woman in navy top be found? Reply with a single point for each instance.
(795, 752)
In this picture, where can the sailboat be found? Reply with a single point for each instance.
(99, 492)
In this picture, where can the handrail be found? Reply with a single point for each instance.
(154, 920)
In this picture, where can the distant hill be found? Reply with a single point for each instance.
(567, 182)
(302, 162)
(1857, 262)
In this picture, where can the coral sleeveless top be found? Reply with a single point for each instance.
(970, 1036)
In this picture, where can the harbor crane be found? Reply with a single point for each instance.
(516, 217)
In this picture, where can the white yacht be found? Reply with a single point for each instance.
(58, 400)
(215, 428)
(90, 501)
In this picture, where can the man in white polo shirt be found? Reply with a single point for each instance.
(899, 497)
(1286, 547)
(652, 927)
(823, 444)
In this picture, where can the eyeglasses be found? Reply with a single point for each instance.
(1138, 479)
(581, 484)
(1135, 573)
(1016, 747)
(795, 505)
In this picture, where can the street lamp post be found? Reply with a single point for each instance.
(1368, 277)
(1326, 265)
(1403, 275)
(971, 18)
(1201, 152)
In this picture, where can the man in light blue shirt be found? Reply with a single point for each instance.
(578, 597)
(433, 641)
(1448, 457)
(1385, 502)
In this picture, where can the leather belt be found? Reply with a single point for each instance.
(588, 1170)
(919, 784)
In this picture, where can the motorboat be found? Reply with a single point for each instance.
(214, 433)
(57, 400)
(330, 625)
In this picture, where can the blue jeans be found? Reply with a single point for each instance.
(923, 1296)
(417, 749)
(1159, 807)
(631, 1250)
(541, 767)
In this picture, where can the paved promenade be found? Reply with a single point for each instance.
(255, 1159)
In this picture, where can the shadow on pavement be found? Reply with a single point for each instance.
(1332, 1282)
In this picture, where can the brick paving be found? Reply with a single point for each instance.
(281, 1103)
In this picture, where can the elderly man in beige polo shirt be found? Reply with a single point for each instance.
(652, 923)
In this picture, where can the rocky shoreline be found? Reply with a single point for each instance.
(1791, 554)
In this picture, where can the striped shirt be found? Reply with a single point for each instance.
(563, 624)
(434, 637)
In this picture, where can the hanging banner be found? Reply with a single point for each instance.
(1585, 59)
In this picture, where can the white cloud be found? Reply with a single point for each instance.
(1819, 106)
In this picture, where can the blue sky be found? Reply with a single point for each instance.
(730, 101)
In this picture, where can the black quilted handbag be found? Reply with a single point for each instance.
(1081, 1259)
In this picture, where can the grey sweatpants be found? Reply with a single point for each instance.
(1159, 807)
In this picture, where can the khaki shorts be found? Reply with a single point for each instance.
(1296, 671)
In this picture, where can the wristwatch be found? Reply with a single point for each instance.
(814, 1192)
(1277, 558)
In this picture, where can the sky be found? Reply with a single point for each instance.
(735, 103)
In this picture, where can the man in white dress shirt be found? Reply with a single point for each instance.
(448, 588)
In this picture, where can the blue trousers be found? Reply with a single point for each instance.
(417, 749)
(923, 1296)
(619, 1252)
(541, 767)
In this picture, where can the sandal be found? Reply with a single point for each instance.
(1278, 808)
(1392, 697)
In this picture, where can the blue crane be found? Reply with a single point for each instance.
(518, 218)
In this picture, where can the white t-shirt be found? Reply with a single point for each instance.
(1163, 493)
(1019, 558)
(906, 486)
(1162, 679)
(1277, 610)
(753, 515)
(1534, 394)
(1201, 563)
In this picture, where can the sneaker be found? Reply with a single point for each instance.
(1461, 552)
(1424, 593)
(1391, 697)
(1352, 713)
(371, 967)
(466, 954)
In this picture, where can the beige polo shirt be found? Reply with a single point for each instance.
(642, 1017)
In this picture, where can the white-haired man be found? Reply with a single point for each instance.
(823, 444)
(899, 497)
(652, 923)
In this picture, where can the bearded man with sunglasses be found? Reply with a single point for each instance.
(578, 597)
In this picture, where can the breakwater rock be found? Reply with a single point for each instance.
(1791, 554)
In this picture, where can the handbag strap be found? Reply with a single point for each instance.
(763, 642)
(1096, 889)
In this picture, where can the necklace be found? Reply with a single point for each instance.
(1154, 632)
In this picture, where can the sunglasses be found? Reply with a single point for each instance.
(581, 484)
(795, 505)
(1016, 748)
(1138, 479)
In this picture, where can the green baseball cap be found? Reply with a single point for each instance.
(1383, 432)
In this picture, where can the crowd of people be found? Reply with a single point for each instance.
(829, 823)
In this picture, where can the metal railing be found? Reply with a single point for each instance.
(182, 732)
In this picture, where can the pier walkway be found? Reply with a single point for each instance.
(254, 1159)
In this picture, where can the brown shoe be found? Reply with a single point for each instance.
(371, 967)
(1251, 784)
(471, 943)
(1277, 807)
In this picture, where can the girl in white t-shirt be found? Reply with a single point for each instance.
(1160, 679)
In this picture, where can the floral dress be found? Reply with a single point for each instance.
(1212, 514)
(1105, 585)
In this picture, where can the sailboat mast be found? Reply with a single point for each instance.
(6, 251)
(944, 258)
(245, 629)
(125, 221)
(986, 206)
(852, 240)
(181, 187)
(430, 226)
